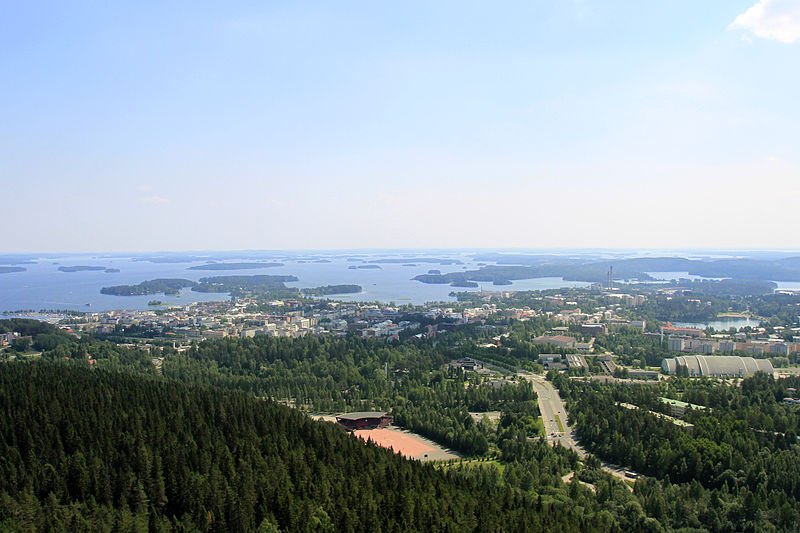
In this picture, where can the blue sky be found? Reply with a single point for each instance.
(242, 125)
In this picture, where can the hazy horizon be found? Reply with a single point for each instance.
(408, 251)
(524, 125)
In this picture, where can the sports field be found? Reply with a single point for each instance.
(408, 444)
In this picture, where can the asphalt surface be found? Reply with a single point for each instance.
(552, 408)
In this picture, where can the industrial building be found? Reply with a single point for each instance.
(555, 361)
(717, 366)
(559, 341)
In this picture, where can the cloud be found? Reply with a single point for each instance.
(777, 20)
(154, 199)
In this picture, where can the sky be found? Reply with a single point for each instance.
(146, 126)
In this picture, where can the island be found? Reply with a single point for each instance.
(9, 270)
(328, 290)
(264, 285)
(155, 302)
(237, 285)
(175, 258)
(503, 275)
(434, 260)
(365, 267)
(16, 260)
(111, 270)
(81, 268)
(234, 266)
(156, 286)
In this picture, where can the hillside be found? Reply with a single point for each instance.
(101, 451)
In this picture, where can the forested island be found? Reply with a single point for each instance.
(81, 268)
(17, 260)
(503, 275)
(168, 286)
(365, 267)
(463, 283)
(273, 286)
(433, 260)
(328, 290)
(10, 269)
(234, 266)
(239, 285)
(171, 258)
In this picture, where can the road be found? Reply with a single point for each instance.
(553, 410)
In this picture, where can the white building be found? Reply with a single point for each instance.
(718, 366)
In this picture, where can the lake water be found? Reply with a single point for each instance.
(788, 285)
(669, 276)
(43, 286)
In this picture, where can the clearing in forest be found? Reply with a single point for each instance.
(407, 443)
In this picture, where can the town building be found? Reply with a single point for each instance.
(719, 366)
(364, 420)
(559, 341)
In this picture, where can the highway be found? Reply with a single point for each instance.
(553, 410)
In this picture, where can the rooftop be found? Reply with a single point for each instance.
(363, 414)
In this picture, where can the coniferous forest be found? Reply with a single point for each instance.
(736, 468)
(93, 450)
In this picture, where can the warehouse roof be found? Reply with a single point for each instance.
(718, 365)
(360, 415)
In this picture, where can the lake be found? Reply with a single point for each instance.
(43, 286)
(669, 276)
